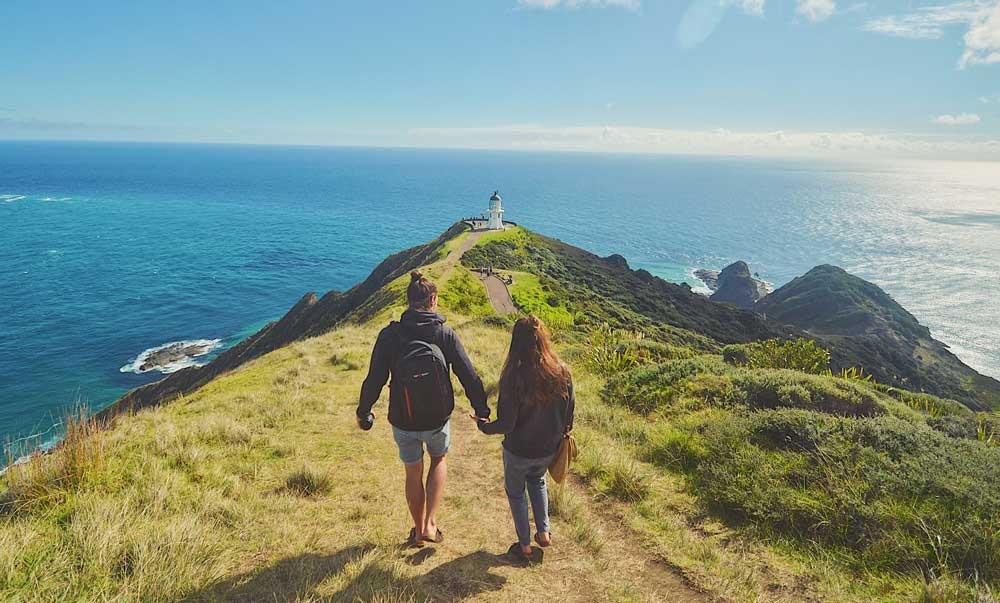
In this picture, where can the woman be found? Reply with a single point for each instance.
(534, 411)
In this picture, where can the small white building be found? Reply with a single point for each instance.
(495, 221)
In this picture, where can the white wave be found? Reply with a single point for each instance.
(203, 347)
(701, 289)
(11, 198)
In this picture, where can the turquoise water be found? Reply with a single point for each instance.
(111, 249)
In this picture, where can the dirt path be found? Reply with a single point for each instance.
(578, 567)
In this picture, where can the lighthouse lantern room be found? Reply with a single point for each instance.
(496, 212)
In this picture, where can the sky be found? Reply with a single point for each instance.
(731, 77)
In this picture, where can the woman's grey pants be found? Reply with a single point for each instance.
(518, 473)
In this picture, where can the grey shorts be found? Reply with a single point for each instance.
(411, 443)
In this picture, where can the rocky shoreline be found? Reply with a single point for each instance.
(171, 357)
(734, 284)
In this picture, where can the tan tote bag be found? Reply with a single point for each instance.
(560, 463)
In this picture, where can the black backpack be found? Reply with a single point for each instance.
(422, 371)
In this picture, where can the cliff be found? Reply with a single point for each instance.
(309, 317)
(863, 326)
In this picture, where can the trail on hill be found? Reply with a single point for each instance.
(496, 290)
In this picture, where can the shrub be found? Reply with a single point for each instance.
(799, 354)
(762, 389)
(679, 449)
(890, 494)
(955, 426)
(608, 353)
(791, 429)
(648, 388)
(652, 352)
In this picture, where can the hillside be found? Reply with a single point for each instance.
(713, 467)
(863, 326)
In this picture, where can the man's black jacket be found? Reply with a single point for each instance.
(429, 327)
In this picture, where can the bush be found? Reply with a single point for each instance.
(762, 389)
(608, 352)
(799, 354)
(890, 494)
(653, 352)
(678, 449)
(648, 388)
(791, 429)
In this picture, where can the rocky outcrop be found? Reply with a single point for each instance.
(735, 285)
(863, 326)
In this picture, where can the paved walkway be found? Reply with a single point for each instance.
(499, 294)
(496, 290)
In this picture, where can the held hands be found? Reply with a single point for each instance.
(480, 421)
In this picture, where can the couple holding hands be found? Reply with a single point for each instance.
(534, 411)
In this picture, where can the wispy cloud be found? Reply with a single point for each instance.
(633, 5)
(703, 16)
(961, 119)
(718, 141)
(928, 22)
(816, 10)
(981, 17)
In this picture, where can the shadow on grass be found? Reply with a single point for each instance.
(286, 580)
(297, 577)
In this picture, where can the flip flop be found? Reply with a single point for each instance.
(438, 537)
(515, 553)
(543, 544)
(414, 541)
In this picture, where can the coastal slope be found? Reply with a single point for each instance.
(864, 327)
(719, 461)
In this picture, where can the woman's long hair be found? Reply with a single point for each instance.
(533, 371)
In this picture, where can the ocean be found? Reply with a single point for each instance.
(109, 250)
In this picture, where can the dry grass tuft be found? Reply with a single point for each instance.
(50, 476)
(308, 482)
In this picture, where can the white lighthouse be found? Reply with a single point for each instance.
(496, 212)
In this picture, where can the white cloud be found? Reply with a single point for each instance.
(816, 10)
(961, 119)
(717, 141)
(984, 100)
(928, 22)
(982, 41)
(633, 5)
(982, 17)
(751, 7)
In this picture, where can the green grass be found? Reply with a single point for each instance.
(756, 484)
(534, 297)
(464, 294)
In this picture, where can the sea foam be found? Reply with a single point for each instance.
(201, 348)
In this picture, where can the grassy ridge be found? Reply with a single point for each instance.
(757, 482)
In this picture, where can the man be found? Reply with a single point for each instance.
(419, 352)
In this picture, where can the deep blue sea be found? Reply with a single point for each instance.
(107, 250)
